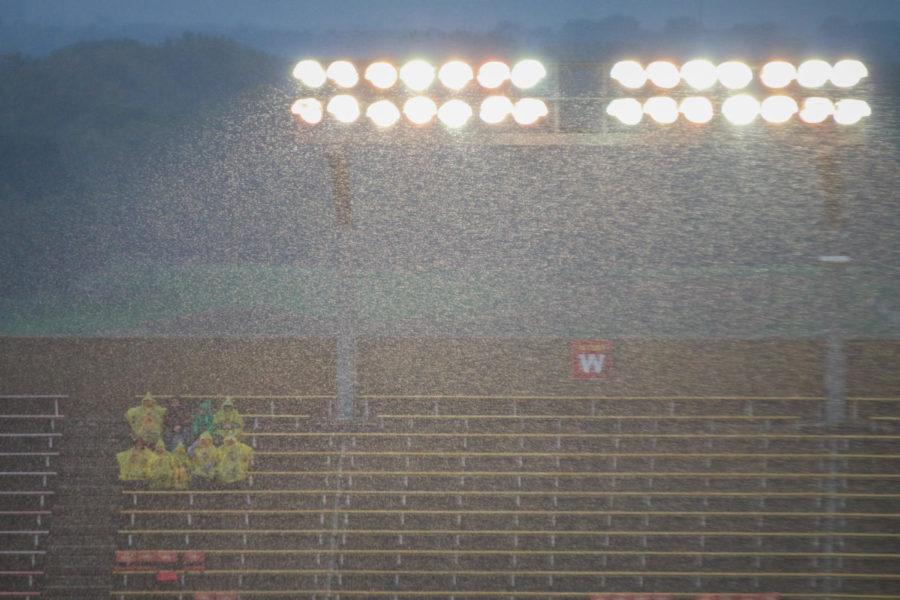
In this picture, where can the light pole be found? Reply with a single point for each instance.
(511, 113)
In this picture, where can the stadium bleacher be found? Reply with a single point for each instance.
(492, 496)
(28, 452)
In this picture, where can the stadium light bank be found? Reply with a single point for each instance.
(495, 95)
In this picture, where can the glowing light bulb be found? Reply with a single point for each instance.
(343, 74)
(417, 75)
(663, 74)
(778, 74)
(495, 109)
(344, 108)
(629, 74)
(850, 112)
(627, 110)
(778, 109)
(455, 75)
(527, 73)
(816, 110)
(493, 74)
(382, 75)
(741, 109)
(847, 73)
(813, 73)
(529, 111)
(454, 113)
(308, 109)
(699, 74)
(310, 73)
(383, 113)
(420, 110)
(697, 109)
(662, 109)
(734, 75)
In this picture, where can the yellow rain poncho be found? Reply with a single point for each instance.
(161, 471)
(228, 421)
(234, 461)
(206, 458)
(181, 468)
(146, 420)
(135, 464)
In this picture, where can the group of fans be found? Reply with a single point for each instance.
(173, 447)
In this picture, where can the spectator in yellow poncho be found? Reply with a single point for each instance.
(161, 471)
(228, 421)
(234, 461)
(146, 420)
(206, 457)
(181, 468)
(135, 464)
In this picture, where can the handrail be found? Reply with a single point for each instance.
(585, 474)
(558, 513)
(481, 594)
(464, 434)
(507, 532)
(517, 552)
(561, 493)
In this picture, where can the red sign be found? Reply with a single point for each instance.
(591, 359)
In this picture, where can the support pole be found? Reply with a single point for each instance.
(339, 176)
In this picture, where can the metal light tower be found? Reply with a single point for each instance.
(419, 105)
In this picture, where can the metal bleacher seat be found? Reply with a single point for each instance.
(28, 441)
(539, 497)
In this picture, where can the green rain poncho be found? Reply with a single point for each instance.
(234, 461)
(146, 420)
(135, 464)
(228, 421)
(206, 457)
(162, 469)
(203, 421)
(181, 468)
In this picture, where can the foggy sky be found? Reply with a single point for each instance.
(419, 14)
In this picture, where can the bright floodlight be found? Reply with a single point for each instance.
(741, 109)
(527, 73)
(627, 110)
(344, 108)
(455, 75)
(816, 110)
(382, 75)
(493, 74)
(308, 109)
(663, 74)
(850, 112)
(697, 109)
(420, 110)
(310, 73)
(662, 109)
(778, 74)
(529, 111)
(734, 75)
(699, 74)
(383, 113)
(778, 109)
(455, 113)
(417, 75)
(495, 109)
(342, 73)
(813, 73)
(629, 73)
(847, 73)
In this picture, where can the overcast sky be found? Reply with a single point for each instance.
(417, 14)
